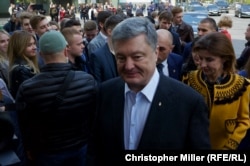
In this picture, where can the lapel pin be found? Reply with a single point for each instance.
(159, 103)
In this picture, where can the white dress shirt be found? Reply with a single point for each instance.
(136, 110)
(165, 67)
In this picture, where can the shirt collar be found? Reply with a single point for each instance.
(165, 62)
(150, 89)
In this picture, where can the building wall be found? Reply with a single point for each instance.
(4, 6)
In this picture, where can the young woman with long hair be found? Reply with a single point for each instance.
(4, 60)
(23, 63)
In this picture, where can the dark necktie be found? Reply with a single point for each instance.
(160, 68)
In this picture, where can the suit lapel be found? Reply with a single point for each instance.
(118, 113)
(171, 69)
(161, 106)
(110, 59)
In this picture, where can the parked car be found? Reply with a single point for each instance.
(213, 10)
(242, 10)
(193, 19)
(200, 9)
(223, 6)
(195, 4)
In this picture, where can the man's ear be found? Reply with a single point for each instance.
(67, 48)
(172, 47)
(109, 31)
(65, 51)
(101, 24)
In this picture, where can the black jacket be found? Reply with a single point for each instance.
(242, 60)
(49, 129)
(19, 72)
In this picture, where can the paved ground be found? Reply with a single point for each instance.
(3, 21)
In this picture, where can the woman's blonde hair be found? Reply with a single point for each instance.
(16, 50)
(3, 55)
(225, 21)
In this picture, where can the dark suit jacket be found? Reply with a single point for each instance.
(97, 42)
(186, 32)
(177, 120)
(103, 64)
(175, 62)
(176, 43)
(242, 60)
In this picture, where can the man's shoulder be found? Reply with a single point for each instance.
(175, 56)
(101, 50)
(185, 26)
(175, 35)
(96, 40)
(112, 84)
(177, 87)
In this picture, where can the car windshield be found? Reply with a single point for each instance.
(212, 7)
(246, 8)
(195, 4)
(193, 19)
(198, 8)
(222, 3)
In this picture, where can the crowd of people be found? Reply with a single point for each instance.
(82, 94)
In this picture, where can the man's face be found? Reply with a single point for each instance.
(247, 34)
(91, 34)
(204, 28)
(75, 47)
(26, 25)
(177, 19)
(164, 24)
(136, 61)
(42, 27)
(165, 47)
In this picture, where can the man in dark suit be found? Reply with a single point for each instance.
(171, 63)
(141, 109)
(102, 61)
(242, 60)
(165, 21)
(184, 30)
(100, 39)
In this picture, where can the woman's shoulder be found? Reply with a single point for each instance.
(20, 68)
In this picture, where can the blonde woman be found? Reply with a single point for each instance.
(22, 59)
(224, 24)
(4, 62)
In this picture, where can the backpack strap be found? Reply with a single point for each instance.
(61, 93)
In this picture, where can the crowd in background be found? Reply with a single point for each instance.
(76, 87)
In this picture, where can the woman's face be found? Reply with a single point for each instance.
(196, 59)
(30, 50)
(4, 42)
(211, 65)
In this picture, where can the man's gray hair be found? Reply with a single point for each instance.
(135, 26)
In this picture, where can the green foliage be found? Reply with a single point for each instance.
(25, 1)
(32, 1)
